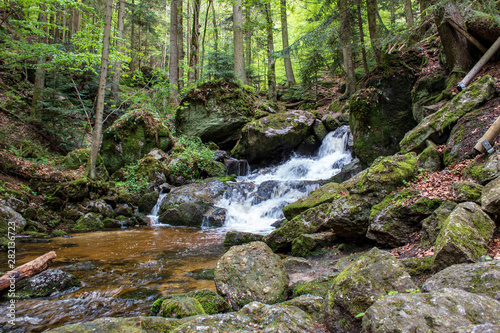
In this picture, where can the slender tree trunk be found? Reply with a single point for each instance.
(216, 32)
(40, 69)
(132, 44)
(203, 40)
(239, 57)
(271, 61)
(345, 40)
(180, 45)
(97, 132)
(362, 38)
(290, 78)
(173, 71)
(371, 13)
(118, 65)
(248, 41)
(408, 13)
(195, 42)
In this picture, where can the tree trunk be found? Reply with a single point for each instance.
(408, 13)
(290, 78)
(239, 57)
(118, 65)
(345, 40)
(248, 40)
(40, 69)
(173, 70)
(132, 44)
(362, 38)
(96, 133)
(216, 32)
(180, 45)
(195, 43)
(203, 40)
(27, 270)
(371, 13)
(271, 61)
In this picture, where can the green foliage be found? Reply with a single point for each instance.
(129, 179)
(219, 66)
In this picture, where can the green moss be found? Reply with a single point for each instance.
(319, 286)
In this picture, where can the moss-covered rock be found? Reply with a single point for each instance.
(398, 216)
(371, 277)
(438, 312)
(481, 278)
(431, 226)
(214, 111)
(490, 197)
(147, 202)
(46, 283)
(251, 272)
(464, 237)
(240, 237)
(440, 122)
(425, 91)
(80, 157)
(418, 267)
(467, 191)
(319, 130)
(311, 304)
(348, 216)
(306, 244)
(430, 159)
(320, 286)
(88, 222)
(274, 136)
(324, 194)
(131, 137)
(484, 169)
(180, 307)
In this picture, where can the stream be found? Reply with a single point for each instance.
(124, 271)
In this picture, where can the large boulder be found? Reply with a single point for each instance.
(431, 226)
(371, 277)
(435, 125)
(210, 301)
(273, 136)
(131, 137)
(437, 312)
(426, 90)
(430, 159)
(480, 278)
(251, 272)
(89, 222)
(311, 304)
(10, 218)
(214, 111)
(490, 197)
(464, 237)
(180, 307)
(46, 283)
(380, 115)
(398, 216)
(307, 244)
(467, 191)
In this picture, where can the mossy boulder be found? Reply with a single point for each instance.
(240, 238)
(380, 115)
(348, 217)
(398, 216)
(481, 278)
(80, 157)
(490, 197)
(101, 207)
(432, 225)
(147, 202)
(418, 267)
(430, 159)
(88, 222)
(180, 307)
(272, 137)
(373, 276)
(251, 272)
(464, 237)
(467, 191)
(425, 91)
(438, 312)
(484, 169)
(319, 130)
(311, 304)
(131, 137)
(442, 121)
(319, 286)
(46, 283)
(306, 244)
(324, 194)
(210, 301)
(214, 111)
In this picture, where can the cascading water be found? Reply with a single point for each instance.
(258, 202)
(153, 216)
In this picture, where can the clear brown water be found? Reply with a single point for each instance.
(151, 261)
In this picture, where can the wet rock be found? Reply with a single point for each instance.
(252, 317)
(481, 278)
(348, 217)
(398, 216)
(295, 265)
(319, 130)
(491, 197)
(148, 201)
(131, 137)
(464, 237)
(48, 282)
(430, 159)
(141, 294)
(251, 272)
(348, 171)
(112, 223)
(202, 274)
(442, 311)
(124, 210)
(467, 191)
(88, 222)
(361, 284)
(380, 115)
(306, 244)
(214, 217)
(466, 101)
(275, 135)
(214, 111)
(311, 304)
(431, 226)
(484, 169)
(180, 307)
(240, 237)
(332, 121)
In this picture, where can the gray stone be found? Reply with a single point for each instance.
(310, 304)
(491, 197)
(467, 191)
(429, 159)
(305, 244)
(431, 226)
(484, 169)
(51, 281)
(10, 218)
(240, 238)
(295, 265)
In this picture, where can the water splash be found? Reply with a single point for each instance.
(153, 216)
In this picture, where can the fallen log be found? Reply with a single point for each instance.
(27, 270)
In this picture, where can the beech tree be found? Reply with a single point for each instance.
(290, 78)
(239, 58)
(345, 39)
(173, 72)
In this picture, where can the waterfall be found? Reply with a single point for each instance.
(153, 216)
(258, 204)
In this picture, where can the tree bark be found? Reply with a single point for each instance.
(173, 67)
(40, 69)
(248, 40)
(345, 40)
(195, 43)
(97, 131)
(362, 38)
(118, 65)
(408, 13)
(371, 13)
(180, 45)
(290, 78)
(239, 57)
(271, 61)
(203, 39)
(216, 31)
(27, 270)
